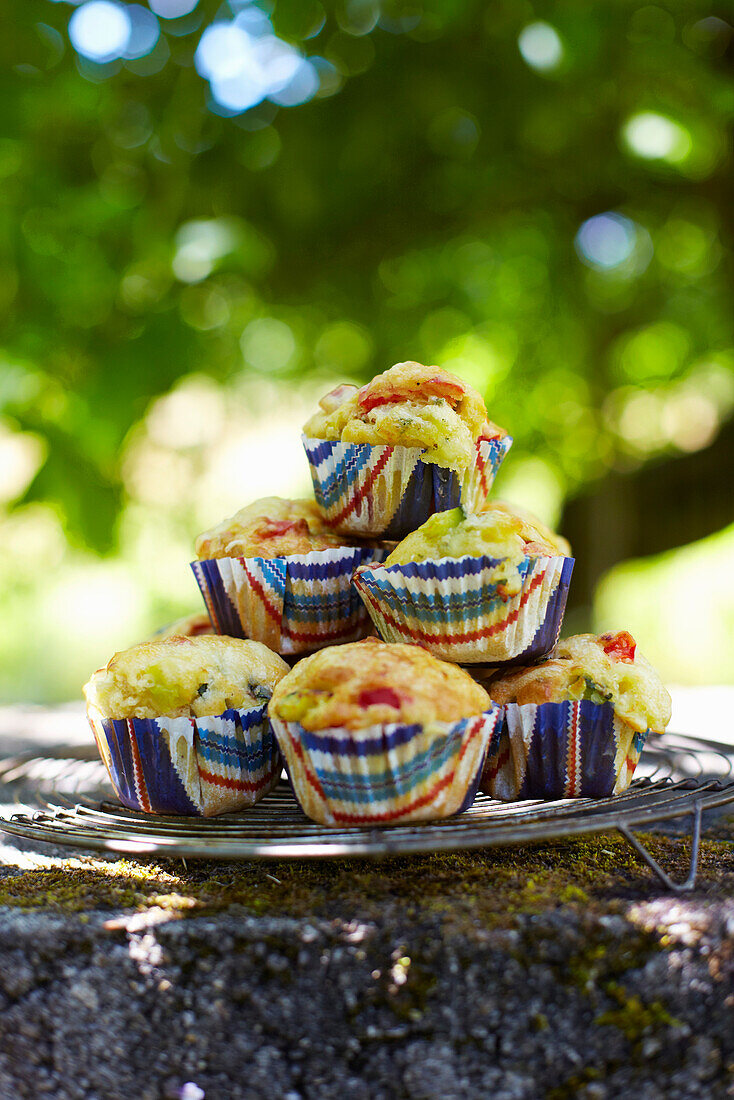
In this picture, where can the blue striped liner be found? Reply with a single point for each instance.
(542, 759)
(338, 471)
(164, 787)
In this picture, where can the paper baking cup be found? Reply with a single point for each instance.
(201, 766)
(293, 604)
(561, 750)
(386, 774)
(458, 608)
(390, 491)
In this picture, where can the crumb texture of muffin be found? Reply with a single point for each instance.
(271, 527)
(498, 531)
(409, 405)
(368, 683)
(601, 669)
(185, 677)
(532, 529)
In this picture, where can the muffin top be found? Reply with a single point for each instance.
(371, 683)
(499, 531)
(269, 528)
(185, 677)
(408, 405)
(190, 626)
(532, 528)
(602, 669)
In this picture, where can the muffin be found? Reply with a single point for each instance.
(378, 734)
(488, 588)
(276, 573)
(575, 724)
(181, 723)
(413, 441)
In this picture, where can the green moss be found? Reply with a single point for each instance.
(467, 891)
(633, 1017)
(570, 1088)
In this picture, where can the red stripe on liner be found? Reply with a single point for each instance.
(142, 790)
(468, 636)
(499, 761)
(393, 815)
(361, 493)
(271, 611)
(573, 736)
(233, 784)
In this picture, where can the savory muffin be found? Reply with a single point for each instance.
(409, 405)
(603, 669)
(190, 626)
(269, 528)
(185, 677)
(484, 588)
(498, 531)
(371, 682)
(275, 573)
(574, 725)
(376, 734)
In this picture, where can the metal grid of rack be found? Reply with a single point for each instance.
(64, 799)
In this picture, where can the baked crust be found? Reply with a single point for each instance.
(271, 527)
(185, 677)
(371, 682)
(409, 405)
(498, 531)
(599, 668)
(533, 529)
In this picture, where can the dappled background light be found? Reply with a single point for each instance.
(219, 209)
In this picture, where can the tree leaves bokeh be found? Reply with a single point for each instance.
(426, 203)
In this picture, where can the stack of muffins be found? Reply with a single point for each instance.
(421, 621)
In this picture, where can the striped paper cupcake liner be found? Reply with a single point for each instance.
(293, 604)
(390, 491)
(561, 750)
(199, 766)
(460, 609)
(386, 774)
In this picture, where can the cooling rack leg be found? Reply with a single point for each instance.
(667, 881)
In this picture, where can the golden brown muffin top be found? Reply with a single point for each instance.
(185, 677)
(498, 531)
(271, 527)
(607, 668)
(370, 683)
(409, 405)
(532, 529)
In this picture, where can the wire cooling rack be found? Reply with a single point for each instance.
(63, 798)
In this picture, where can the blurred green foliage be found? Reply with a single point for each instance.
(426, 203)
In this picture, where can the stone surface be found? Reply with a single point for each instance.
(554, 971)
